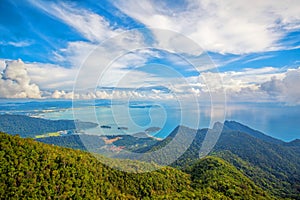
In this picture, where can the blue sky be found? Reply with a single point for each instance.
(253, 51)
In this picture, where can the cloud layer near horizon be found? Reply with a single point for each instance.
(259, 85)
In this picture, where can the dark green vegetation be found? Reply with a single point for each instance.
(27, 126)
(255, 159)
(30, 169)
(133, 143)
(223, 178)
(72, 141)
(92, 142)
(272, 164)
(274, 167)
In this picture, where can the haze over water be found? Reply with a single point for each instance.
(276, 120)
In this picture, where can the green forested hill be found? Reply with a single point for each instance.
(30, 169)
(26, 126)
(218, 175)
(272, 164)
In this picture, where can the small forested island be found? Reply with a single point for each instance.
(105, 126)
(122, 128)
(152, 129)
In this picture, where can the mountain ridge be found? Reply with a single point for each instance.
(233, 125)
(37, 170)
(272, 165)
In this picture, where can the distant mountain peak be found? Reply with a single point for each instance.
(181, 128)
(218, 126)
(236, 126)
(295, 142)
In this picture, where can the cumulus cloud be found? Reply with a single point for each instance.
(61, 94)
(15, 82)
(285, 89)
(35, 80)
(237, 86)
(259, 85)
(117, 93)
(234, 81)
(249, 85)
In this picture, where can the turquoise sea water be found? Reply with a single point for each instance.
(134, 119)
(276, 120)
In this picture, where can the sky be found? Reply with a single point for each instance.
(241, 52)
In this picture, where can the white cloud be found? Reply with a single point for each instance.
(234, 81)
(2, 65)
(51, 77)
(15, 82)
(17, 44)
(94, 61)
(111, 94)
(258, 58)
(222, 26)
(88, 58)
(175, 42)
(91, 25)
(285, 89)
(250, 85)
(249, 77)
(75, 53)
(63, 95)
(234, 86)
(20, 80)
(46, 76)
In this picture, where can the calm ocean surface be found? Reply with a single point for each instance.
(276, 120)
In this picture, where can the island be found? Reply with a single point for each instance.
(152, 129)
(123, 128)
(105, 126)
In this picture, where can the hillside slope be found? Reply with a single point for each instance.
(212, 173)
(30, 169)
(272, 164)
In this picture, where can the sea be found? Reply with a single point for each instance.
(160, 118)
